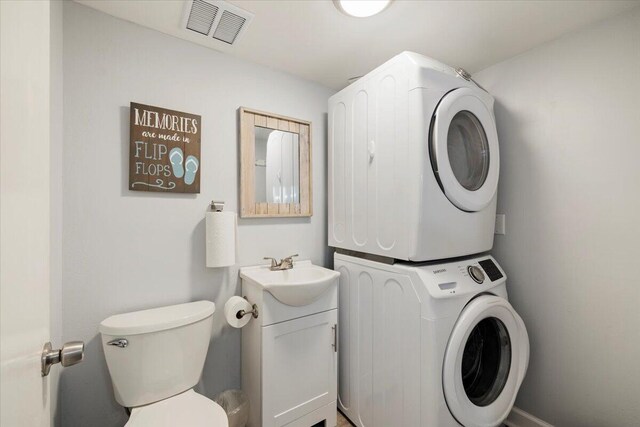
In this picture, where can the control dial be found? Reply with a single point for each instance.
(476, 273)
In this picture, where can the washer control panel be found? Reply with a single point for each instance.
(476, 273)
(491, 269)
(463, 276)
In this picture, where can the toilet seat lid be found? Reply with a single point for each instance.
(187, 409)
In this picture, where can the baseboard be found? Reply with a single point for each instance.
(520, 418)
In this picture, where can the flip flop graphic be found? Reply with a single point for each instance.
(190, 175)
(176, 157)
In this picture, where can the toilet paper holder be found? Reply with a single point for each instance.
(216, 206)
(241, 313)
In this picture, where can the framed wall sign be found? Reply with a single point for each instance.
(164, 150)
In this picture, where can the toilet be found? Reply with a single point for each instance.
(155, 358)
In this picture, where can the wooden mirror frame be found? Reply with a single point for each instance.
(249, 119)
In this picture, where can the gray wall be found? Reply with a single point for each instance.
(568, 117)
(125, 250)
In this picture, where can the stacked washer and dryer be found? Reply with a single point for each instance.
(427, 336)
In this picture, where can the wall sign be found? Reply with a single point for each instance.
(164, 150)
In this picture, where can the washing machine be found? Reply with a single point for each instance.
(429, 345)
(413, 163)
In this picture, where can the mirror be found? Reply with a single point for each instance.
(275, 165)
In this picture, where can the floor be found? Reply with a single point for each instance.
(343, 421)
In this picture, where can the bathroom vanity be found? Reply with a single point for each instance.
(289, 352)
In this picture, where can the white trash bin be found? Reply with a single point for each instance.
(236, 404)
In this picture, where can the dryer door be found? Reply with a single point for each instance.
(485, 362)
(464, 149)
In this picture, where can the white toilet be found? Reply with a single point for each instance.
(155, 358)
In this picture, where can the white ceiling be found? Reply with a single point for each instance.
(311, 39)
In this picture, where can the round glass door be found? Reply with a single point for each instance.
(468, 150)
(464, 149)
(485, 362)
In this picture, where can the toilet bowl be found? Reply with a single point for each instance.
(186, 409)
(155, 358)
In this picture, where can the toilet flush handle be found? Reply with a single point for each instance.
(119, 342)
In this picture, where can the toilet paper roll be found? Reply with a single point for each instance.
(221, 239)
(231, 309)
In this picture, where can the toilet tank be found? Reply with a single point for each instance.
(158, 353)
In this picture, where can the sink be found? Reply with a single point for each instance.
(299, 286)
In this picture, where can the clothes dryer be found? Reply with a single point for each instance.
(413, 163)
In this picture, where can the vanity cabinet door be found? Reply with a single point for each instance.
(299, 365)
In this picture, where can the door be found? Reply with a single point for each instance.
(299, 367)
(464, 148)
(24, 212)
(485, 362)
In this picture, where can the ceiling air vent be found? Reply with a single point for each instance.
(229, 27)
(201, 17)
(218, 20)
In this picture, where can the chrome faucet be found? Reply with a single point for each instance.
(284, 264)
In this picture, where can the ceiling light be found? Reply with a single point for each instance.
(361, 8)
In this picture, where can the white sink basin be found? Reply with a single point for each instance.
(299, 286)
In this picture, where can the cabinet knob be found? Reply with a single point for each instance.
(371, 148)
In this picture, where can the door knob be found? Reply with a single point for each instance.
(70, 354)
